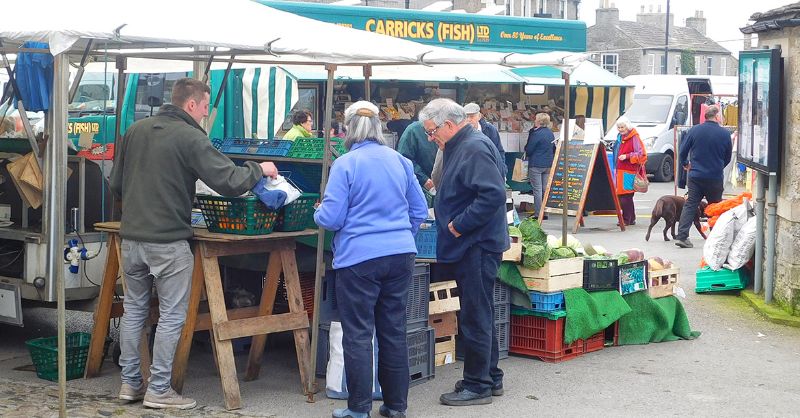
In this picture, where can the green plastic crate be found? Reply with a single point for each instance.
(312, 148)
(516, 310)
(717, 281)
(237, 215)
(298, 215)
(44, 354)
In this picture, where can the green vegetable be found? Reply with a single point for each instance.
(514, 231)
(532, 233)
(562, 252)
(622, 258)
(535, 255)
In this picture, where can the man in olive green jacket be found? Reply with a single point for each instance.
(155, 169)
(415, 146)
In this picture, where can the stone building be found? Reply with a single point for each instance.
(780, 28)
(556, 9)
(638, 47)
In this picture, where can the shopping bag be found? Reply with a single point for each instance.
(640, 183)
(280, 183)
(520, 172)
(335, 376)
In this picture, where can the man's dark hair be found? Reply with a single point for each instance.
(300, 117)
(188, 88)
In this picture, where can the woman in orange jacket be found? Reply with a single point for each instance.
(630, 156)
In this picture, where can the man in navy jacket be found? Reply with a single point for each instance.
(704, 154)
(472, 235)
(475, 117)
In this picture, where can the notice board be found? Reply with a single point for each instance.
(589, 187)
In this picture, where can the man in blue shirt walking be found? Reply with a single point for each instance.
(704, 154)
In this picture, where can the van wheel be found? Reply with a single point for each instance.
(665, 169)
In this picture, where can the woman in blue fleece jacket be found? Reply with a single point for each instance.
(374, 204)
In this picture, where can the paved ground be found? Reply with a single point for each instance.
(740, 366)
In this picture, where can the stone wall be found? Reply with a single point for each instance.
(609, 38)
(787, 271)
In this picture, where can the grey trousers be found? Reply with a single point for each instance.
(169, 267)
(537, 176)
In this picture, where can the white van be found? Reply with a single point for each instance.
(660, 102)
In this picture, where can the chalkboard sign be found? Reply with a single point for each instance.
(589, 183)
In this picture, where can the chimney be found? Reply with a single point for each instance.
(607, 16)
(655, 19)
(698, 22)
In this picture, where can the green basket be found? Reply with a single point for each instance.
(237, 215)
(44, 353)
(707, 280)
(313, 148)
(297, 215)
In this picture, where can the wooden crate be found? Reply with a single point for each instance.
(662, 282)
(514, 253)
(556, 275)
(445, 323)
(445, 358)
(442, 298)
(445, 350)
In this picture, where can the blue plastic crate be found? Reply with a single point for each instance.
(272, 147)
(306, 176)
(502, 313)
(547, 302)
(501, 293)
(426, 240)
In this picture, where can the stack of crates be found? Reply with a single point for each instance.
(419, 335)
(502, 319)
(708, 280)
(443, 307)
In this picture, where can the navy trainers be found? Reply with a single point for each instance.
(497, 388)
(346, 413)
(390, 413)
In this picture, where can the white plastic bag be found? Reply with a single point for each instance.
(280, 183)
(335, 377)
(718, 244)
(740, 214)
(743, 246)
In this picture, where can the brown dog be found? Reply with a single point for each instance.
(669, 208)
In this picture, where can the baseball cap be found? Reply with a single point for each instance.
(471, 108)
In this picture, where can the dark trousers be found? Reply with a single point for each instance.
(475, 274)
(628, 211)
(698, 189)
(372, 295)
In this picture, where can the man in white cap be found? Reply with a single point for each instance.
(475, 117)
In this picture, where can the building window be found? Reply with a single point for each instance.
(651, 63)
(724, 66)
(562, 9)
(678, 64)
(709, 66)
(663, 67)
(698, 64)
(610, 62)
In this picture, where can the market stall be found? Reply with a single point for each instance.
(202, 39)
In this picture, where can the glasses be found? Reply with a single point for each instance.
(433, 131)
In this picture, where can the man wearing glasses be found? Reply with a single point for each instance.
(472, 235)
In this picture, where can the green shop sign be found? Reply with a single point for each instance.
(454, 30)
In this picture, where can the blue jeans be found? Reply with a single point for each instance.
(372, 295)
(475, 275)
(538, 177)
(169, 267)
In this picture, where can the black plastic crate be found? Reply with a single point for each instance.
(328, 307)
(502, 313)
(323, 349)
(503, 332)
(600, 275)
(501, 293)
(418, 294)
(421, 355)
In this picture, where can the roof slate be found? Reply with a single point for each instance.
(651, 37)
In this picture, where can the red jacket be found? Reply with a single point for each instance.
(632, 163)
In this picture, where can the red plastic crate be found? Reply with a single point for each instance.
(543, 338)
(595, 343)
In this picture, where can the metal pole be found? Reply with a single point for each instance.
(759, 268)
(367, 82)
(55, 192)
(772, 210)
(122, 65)
(666, 43)
(311, 389)
(565, 146)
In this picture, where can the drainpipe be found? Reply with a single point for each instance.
(772, 209)
(759, 270)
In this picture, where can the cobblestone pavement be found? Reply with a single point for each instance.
(40, 400)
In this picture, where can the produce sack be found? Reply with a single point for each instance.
(743, 246)
(718, 243)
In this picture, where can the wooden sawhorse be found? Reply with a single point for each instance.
(224, 324)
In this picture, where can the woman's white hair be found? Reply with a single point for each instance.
(363, 123)
(624, 122)
(440, 110)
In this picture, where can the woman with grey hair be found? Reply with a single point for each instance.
(375, 206)
(629, 158)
